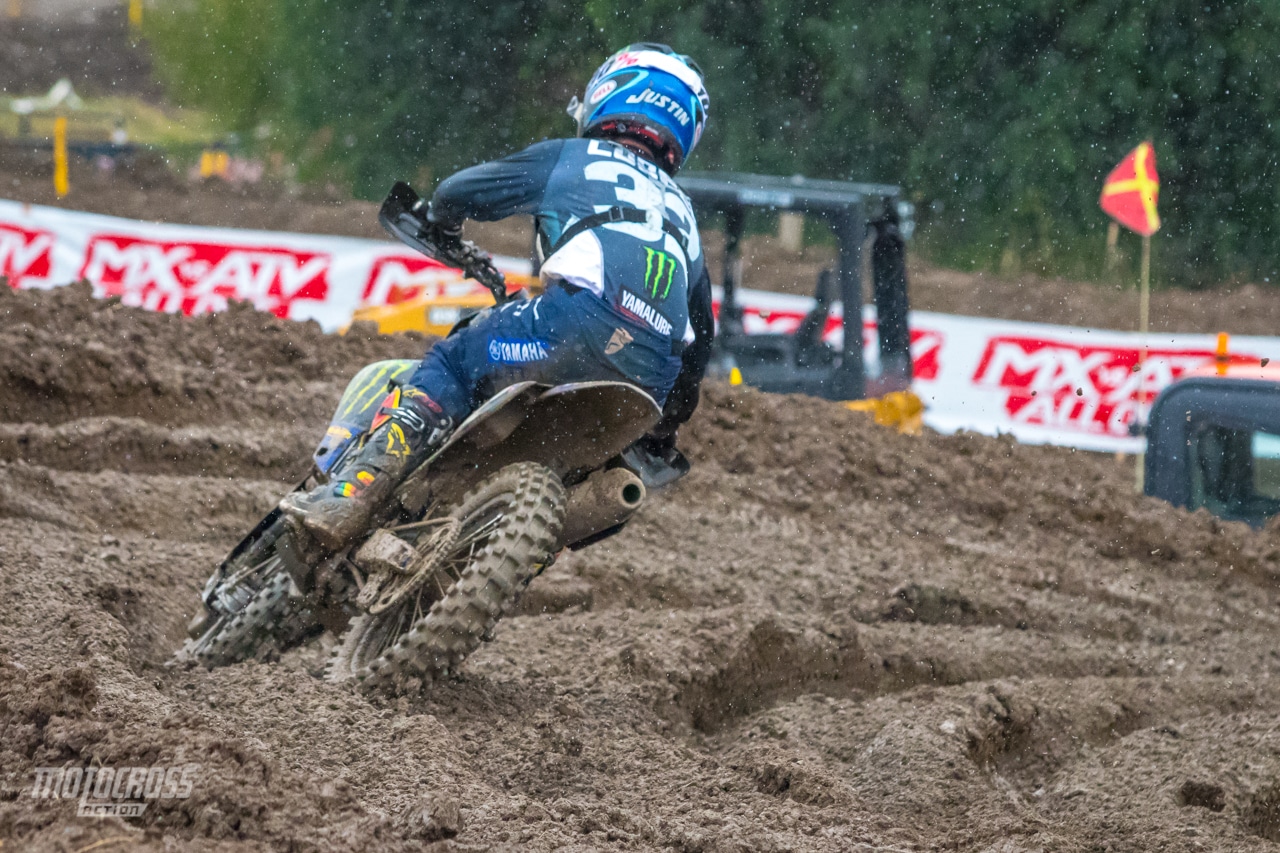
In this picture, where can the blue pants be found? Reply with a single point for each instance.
(561, 336)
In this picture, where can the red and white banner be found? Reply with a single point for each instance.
(1041, 383)
(189, 269)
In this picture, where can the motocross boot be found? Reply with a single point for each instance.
(408, 426)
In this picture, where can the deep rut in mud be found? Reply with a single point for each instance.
(829, 637)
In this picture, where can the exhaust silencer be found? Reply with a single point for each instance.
(603, 500)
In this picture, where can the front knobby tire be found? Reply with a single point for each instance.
(269, 621)
(509, 528)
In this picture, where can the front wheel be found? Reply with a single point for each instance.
(256, 613)
(507, 528)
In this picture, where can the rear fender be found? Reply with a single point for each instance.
(582, 425)
(574, 427)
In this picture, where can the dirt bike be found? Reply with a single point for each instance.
(535, 469)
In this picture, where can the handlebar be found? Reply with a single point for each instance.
(403, 215)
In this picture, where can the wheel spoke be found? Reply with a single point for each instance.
(394, 630)
(248, 571)
(482, 531)
(418, 525)
(400, 624)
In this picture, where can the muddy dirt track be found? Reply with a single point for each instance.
(828, 637)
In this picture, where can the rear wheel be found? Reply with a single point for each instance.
(507, 528)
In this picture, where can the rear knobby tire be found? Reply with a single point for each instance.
(531, 501)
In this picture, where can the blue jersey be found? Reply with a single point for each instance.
(639, 269)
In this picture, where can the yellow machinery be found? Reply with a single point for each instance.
(434, 311)
(903, 410)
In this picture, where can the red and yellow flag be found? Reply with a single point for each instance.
(1130, 191)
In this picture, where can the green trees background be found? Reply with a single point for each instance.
(1000, 117)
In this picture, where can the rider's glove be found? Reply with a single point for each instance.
(447, 237)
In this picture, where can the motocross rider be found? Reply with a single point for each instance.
(627, 293)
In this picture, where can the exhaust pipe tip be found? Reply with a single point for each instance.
(604, 500)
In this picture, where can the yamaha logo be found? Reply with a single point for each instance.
(602, 91)
(516, 352)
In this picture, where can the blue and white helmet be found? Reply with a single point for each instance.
(650, 92)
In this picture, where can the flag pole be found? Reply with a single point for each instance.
(1144, 317)
(1144, 302)
(1113, 257)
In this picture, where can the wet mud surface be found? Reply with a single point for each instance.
(828, 637)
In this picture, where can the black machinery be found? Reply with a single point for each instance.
(1214, 442)
(801, 362)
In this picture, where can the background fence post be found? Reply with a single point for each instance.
(61, 184)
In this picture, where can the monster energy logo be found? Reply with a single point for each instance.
(658, 265)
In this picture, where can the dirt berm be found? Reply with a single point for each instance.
(828, 637)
